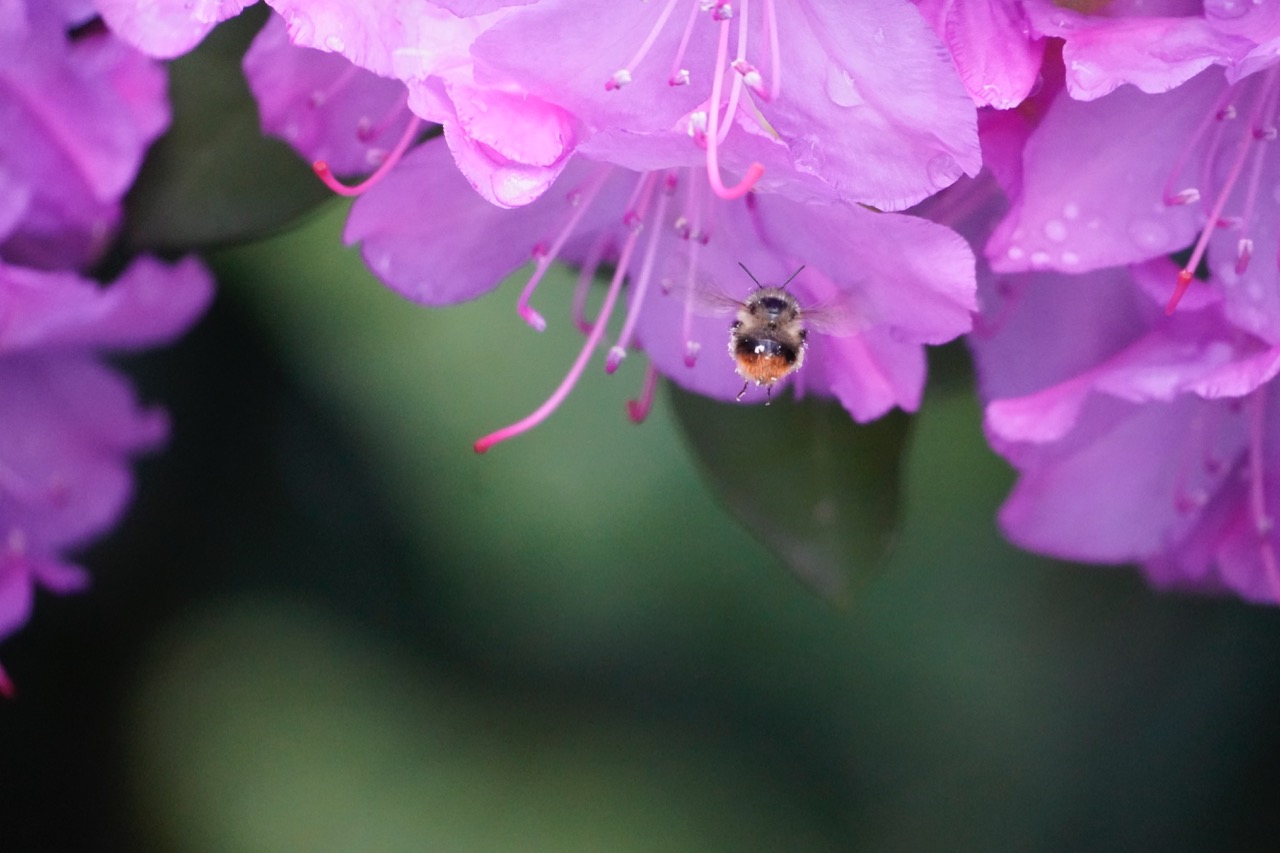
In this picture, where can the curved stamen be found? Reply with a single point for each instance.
(639, 408)
(640, 284)
(544, 259)
(586, 275)
(324, 174)
(567, 384)
(755, 170)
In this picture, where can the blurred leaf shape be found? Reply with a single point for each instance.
(214, 178)
(819, 490)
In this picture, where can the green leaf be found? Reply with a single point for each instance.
(214, 178)
(820, 490)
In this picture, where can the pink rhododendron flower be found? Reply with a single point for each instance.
(903, 281)
(1137, 436)
(69, 425)
(79, 109)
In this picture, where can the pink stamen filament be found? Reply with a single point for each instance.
(1262, 521)
(624, 74)
(321, 96)
(775, 52)
(691, 347)
(406, 139)
(640, 286)
(585, 276)
(544, 259)
(639, 408)
(679, 75)
(755, 170)
(1211, 119)
(1187, 273)
(735, 90)
(567, 384)
(367, 131)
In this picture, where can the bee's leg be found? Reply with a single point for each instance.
(768, 394)
(743, 391)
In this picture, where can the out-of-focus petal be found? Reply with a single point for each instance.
(167, 28)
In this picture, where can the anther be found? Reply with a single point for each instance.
(620, 78)
(1244, 252)
(1190, 195)
(638, 409)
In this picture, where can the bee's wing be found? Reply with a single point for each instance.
(839, 316)
(703, 294)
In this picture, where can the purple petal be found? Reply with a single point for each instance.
(1094, 178)
(1153, 52)
(150, 303)
(78, 117)
(321, 104)
(167, 28)
(67, 433)
(992, 46)
(426, 233)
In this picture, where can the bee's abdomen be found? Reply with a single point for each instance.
(764, 360)
(765, 348)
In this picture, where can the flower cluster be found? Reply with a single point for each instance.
(79, 110)
(662, 145)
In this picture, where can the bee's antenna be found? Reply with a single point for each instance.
(748, 272)
(793, 275)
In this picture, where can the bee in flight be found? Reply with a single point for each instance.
(768, 337)
(770, 330)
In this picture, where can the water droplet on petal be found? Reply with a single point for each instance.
(1040, 259)
(1070, 259)
(334, 43)
(1016, 253)
(841, 89)
(1055, 230)
(1148, 234)
(1071, 210)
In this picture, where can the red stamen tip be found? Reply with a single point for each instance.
(1184, 281)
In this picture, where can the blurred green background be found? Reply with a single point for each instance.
(327, 625)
